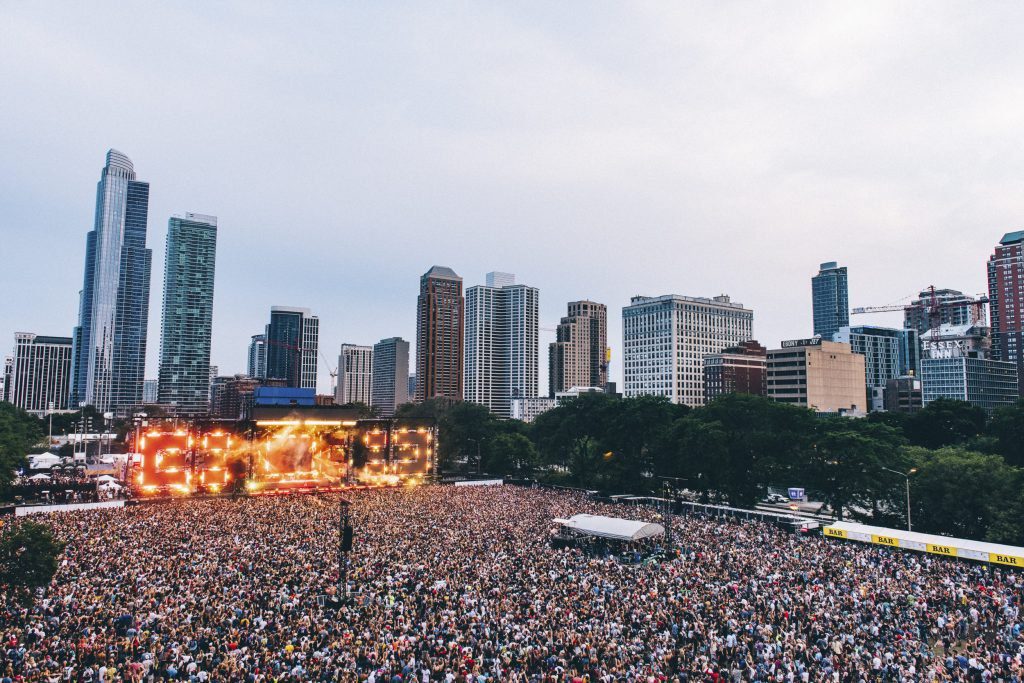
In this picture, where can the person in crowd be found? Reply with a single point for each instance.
(459, 584)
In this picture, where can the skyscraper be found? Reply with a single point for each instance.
(355, 375)
(501, 343)
(830, 299)
(110, 340)
(187, 324)
(6, 380)
(292, 339)
(41, 373)
(390, 375)
(439, 335)
(1006, 299)
(257, 363)
(578, 356)
(665, 340)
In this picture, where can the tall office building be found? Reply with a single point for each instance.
(110, 340)
(501, 343)
(390, 375)
(355, 375)
(6, 381)
(41, 373)
(825, 376)
(257, 362)
(187, 324)
(150, 391)
(830, 299)
(933, 308)
(292, 347)
(958, 364)
(439, 335)
(579, 355)
(888, 354)
(665, 340)
(1006, 299)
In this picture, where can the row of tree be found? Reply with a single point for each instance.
(964, 467)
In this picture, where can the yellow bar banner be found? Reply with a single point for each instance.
(999, 558)
(948, 551)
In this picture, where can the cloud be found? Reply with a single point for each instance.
(598, 151)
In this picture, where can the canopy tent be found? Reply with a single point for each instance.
(43, 461)
(611, 527)
(39, 477)
(104, 478)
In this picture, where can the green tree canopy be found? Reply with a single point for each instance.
(28, 556)
(945, 422)
(19, 432)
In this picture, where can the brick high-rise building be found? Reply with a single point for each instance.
(1006, 299)
(737, 369)
(440, 313)
(578, 356)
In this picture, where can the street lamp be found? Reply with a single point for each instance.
(905, 475)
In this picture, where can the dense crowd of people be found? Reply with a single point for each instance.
(59, 487)
(460, 584)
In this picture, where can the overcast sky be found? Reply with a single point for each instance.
(597, 150)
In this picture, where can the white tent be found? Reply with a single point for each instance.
(39, 477)
(105, 478)
(611, 527)
(43, 461)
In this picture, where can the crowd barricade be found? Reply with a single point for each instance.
(980, 551)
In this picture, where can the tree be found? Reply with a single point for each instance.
(19, 432)
(28, 556)
(745, 443)
(1006, 431)
(567, 436)
(846, 464)
(945, 422)
(510, 453)
(962, 493)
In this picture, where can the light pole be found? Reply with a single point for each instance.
(345, 534)
(905, 475)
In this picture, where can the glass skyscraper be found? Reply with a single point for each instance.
(830, 300)
(292, 346)
(187, 323)
(110, 339)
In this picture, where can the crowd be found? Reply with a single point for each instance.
(460, 584)
(60, 487)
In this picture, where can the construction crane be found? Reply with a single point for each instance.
(333, 372)
(933, 306)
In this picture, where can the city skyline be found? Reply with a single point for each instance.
(770, 156)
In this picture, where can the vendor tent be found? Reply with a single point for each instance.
(43, 461)
(611, 527)
(39, 477)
